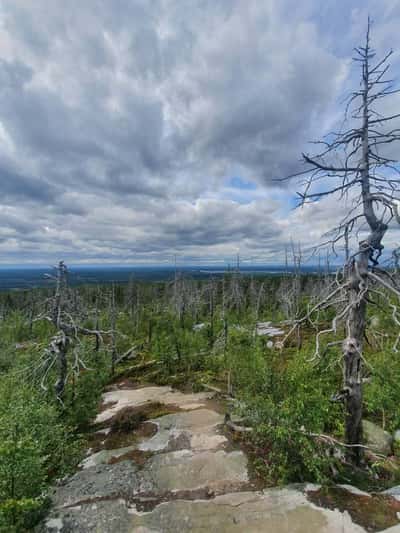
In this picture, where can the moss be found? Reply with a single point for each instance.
(128, 425)
(126, 420)
(374, 513)
(139, 457)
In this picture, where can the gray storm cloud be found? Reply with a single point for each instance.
(122, 122)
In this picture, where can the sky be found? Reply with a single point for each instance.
(134, 131)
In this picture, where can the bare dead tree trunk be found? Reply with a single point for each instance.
(62, 308)
(211, 310)
(259, 298)
(61, 282)
(31, 313)
(60, 343)
(224, 318)
(358, 291)
(113, 330)
(59, 347)
(352, 356)
(97, 323)
(356, 162)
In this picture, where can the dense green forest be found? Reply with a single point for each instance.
(61, 346)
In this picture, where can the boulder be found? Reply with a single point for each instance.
(376, 438)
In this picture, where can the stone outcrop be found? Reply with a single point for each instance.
(184, 475)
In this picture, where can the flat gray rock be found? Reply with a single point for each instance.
(194, 430)
(184, 470)
(119, 399)
(272, 511)
(275, 511)
(187, 463)
(177, 471)
(110, 516)
(100, 481)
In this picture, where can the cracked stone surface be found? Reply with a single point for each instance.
(275, 511)
(119, 399)
(195, 430)
(100, 481)
(101, 517)
(188, 481)
(104, 456)
(185, 470)
(177, 471)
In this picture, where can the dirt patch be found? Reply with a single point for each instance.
(120, 439)
(105, 406)
(374, 513)
(122, 383)
(129, 425)
(242, 441)
(219, 405)
(130, 417)
(147, 501)
(96, 499)
(146, 430)
(127, 383)
(139, 457)
(156, 410)
(96, 441)
(126, 420)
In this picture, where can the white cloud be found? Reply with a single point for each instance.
(122, 122)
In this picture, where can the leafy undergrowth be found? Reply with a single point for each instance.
(40, 440)
(374, 512)
(284, 394)
(127, 425)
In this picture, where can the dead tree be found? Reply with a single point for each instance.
(289, 291)
(355, 166)
(113, 316)
(62, 312)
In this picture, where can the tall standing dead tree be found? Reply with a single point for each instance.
(356, 166)
(62, 312)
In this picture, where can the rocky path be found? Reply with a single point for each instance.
(161, 462)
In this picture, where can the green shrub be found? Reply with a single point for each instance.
(382, 393)
(298, 405)
(83, 392)
(35, 446)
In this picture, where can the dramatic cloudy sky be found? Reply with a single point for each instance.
(133, 130)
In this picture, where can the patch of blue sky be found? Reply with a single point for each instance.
(239, 183)
(293, 201)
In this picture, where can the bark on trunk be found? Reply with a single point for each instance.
(352, 353)
(59, 346)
